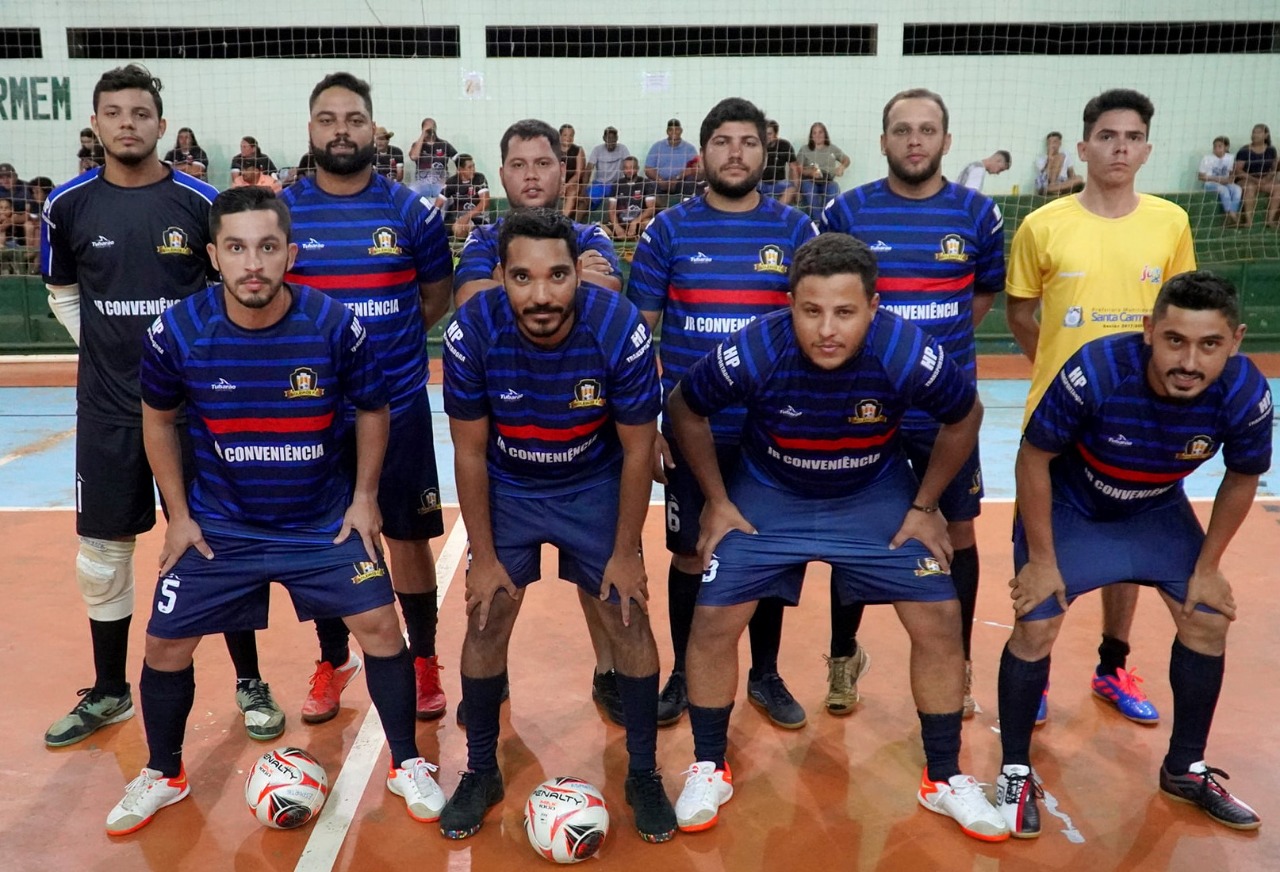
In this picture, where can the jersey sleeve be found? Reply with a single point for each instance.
(651, 268)
(939, 386)
(465, 388)
(479, 256)
(160, 373)
(431, 256)
(636, 393)
(720, 379)
(1056, 423)
(593, 238)
(1184, 251)
(57, 258)
(1247, 449)
(1025, 278)
(989, 270)
(362, 380)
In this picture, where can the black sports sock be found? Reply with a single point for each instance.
(1021, 684)
(242, 645)
(1111, 655)
(166, 704)
(765, 632)
(710, 733)
(844, 626)
(391, 688)
(335, 641)
(940, 735)
(1196, 680)
(483, 699)
(964, 573)
(110, 655)
(640, 712)
(420, 611)
(682, 597)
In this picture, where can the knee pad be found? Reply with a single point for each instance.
(104, 571)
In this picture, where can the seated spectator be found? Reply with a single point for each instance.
(37, 192)
(13, 252)
(388, 160)
(253, 174)
(669, 165)
(91, 153)
(632, 203)
(464, 199)
(974, 174)
(1055, 169)
(604, 166)
(821, 163)
(1217, 171)
(249, 152)
(781, 179)
(431, 155)
(187, 156)
(575, 172)
(12, 188)
(1256, 172)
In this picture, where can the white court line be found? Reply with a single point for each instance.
(335, 819)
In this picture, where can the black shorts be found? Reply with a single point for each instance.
(409, 491)
(685, 500)
(962, 498)
(115, 493)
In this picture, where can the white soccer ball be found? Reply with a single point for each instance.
(566, 820)
(286, 788)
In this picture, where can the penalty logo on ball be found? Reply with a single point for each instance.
(286, 788)
(566, 820)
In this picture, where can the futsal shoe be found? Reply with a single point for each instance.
(674, 699)
(706, 788)
(325, 697)
(1198, 787)
(94, 711)
(143, 797)
(263, 719)
(431, 701)
(1124, 691)
(1016, 795)
(961, 799)
(770, 693)
(842, 681)
(655, 818)
(604, 690)
(422, 796)
(475, 794)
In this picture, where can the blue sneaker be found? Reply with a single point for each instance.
(1042, 713)
(1124, 691)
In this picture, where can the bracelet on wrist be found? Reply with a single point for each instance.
(928, 510)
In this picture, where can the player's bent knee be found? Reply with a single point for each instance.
(690, 564)
(1033, 640)
(104, 571)
(377, 631)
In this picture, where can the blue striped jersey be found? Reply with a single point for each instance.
(134, 252)
(552, 412)
(933, 255)
(265, 408)
(370, 251)
(1124, 449)
(479, 254)
(820, 432)
(710, 273)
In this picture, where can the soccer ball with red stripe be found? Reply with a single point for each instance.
(566, 820)
(286, 788)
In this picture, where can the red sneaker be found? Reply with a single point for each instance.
(324, 698)
(431, 701)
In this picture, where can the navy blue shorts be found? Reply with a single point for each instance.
(685, 500)
(200, 597)
(850, 533)
(962, 498)
(1158, 548)
(409, 490)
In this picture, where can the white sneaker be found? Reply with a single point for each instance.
(422, 795)
(143, 797)
(1016, 793)
(962, 799)
(706, 788)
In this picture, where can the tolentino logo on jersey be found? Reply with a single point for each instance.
(952, 249)
(429, 501)
(384, 242)
(303, 383)
(868, 412)
(771, 260)
(586, 393)
(173, 241)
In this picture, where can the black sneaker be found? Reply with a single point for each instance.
(604, 690)
(673, 700)
(655, 818)
(770, 693)
(461, 717)
(1198, 787)
(1016, 795)
(476, 793)
(94, 711)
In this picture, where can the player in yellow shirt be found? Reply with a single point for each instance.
(1093, 264)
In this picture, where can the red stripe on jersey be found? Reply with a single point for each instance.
(1129, 474)
(776, 299)
(548, 434)
(311, 424)
(834, 444)
(353, 282)
(923, 285)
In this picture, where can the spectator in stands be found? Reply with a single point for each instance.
(670, 164)
(1217, 172)
(91, 153)
(821, 163)
(974, 174)
(1055, 169)
(37, 192)
(251, 153)
(388, 160)
(781, 179)
(632, 203)
(604, 166)
(187, 155)
(464, 199)
(11, 187)
(253, 174)
(432, 156)
(575, 174)
(12, 239)
(1256, 172)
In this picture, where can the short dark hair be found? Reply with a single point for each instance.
(1226, 143)
(189, 132)
(460, 160)
(1199, 291)
(1118, 98)
(1008, 158)
(343, 80)
(88, 131)
(771, 125)
(249, 199)
(539, 223)
(731, 109)
(1051, 134)
(126, 78)
(251, 141)
(831, 254)
(564, 127)
(914, 94)
(530, 128)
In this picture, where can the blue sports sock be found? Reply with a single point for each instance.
(941, 737)
(1022, 683)
(334, 641)
(710, 733)
(640, 712)
(166, 704)
(420, 612)
(1196, 680)
(391, 687)
(483, 699)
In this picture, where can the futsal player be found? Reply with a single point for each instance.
(1100, 472)
(553, 398)
(826, 383)
(280, 493)
(940, 251)
(121, 243)
(1093, 263)
(704, 268)
(383, 251)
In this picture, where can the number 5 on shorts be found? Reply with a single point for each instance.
(168, 594)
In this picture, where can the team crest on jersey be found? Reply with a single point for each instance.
(384, 242)
(586, 393)
(771, 260)
(928, 566)
(868, 412)
(303, 383)
(952, 250)
(173, 241)
(429, 501)
(1197, 448)
(1074, 317)
(365, 570)
(975, 485)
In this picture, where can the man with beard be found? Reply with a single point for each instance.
(127, 240)
(705, 268)
(382, 251)
(940, 251)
